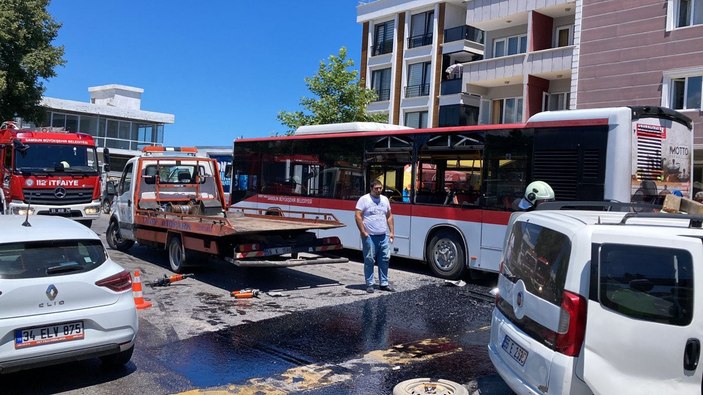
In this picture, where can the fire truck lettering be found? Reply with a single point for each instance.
(63, 183)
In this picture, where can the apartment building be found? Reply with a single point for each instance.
(462, 62)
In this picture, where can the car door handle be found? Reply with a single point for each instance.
(691, 354)
(129, 203)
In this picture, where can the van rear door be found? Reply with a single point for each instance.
(643, 332)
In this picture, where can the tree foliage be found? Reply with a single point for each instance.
(339, 97)
(27, 56)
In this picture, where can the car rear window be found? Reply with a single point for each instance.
(540, 257)
(644, 282)
(49, 258)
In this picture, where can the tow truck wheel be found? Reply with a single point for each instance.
(445, 255)
(177, 257)
(114, 238)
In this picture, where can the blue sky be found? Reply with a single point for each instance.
(224, 68)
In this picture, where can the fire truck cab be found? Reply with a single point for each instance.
(49, 172)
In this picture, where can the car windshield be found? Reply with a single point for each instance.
(49, 258)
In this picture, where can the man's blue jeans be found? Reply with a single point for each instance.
(376, 250)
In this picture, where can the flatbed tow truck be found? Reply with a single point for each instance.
(173, 200)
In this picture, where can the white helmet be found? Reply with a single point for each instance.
(537, 190)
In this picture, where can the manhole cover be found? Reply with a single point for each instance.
(426, 386)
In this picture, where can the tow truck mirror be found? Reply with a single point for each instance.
(110, 186)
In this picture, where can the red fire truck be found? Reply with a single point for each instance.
(49, 172)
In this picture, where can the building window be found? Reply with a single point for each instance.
(510, 46)
(686, 93)
(563, 36)
(416, 119)
(418, 80)
(383, 38)
(688, 12)
(421, 29)
(507, 110)
(555, 101)
(381, 83)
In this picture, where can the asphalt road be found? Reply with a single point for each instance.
(312, 330)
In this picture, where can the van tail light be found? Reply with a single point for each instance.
(119, 282)
(572, 324)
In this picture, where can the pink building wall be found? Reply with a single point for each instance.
(625, 49)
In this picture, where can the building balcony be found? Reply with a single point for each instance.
(490, 15)
(383, 94)
(547, 64)
(461, 33)
(550, 61)
(450, 87)
(382, 48)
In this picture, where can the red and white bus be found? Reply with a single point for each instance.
(622, 154)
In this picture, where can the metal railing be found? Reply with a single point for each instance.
(420, 40)
(417, 90)
(383, 94)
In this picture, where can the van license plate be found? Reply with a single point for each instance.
(518, 353)
(39, 335)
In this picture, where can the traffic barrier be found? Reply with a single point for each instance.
(137, 292)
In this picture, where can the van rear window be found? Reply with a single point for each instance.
(540, 257)
(647, 283)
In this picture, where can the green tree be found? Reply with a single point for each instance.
(27, 57)
(339, 97)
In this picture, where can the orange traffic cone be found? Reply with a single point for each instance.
(137, 292)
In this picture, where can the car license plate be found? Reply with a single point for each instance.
(278, 251)
(59, 210)
(40, 335)
(514, 350)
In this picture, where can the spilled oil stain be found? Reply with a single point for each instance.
(367, 345)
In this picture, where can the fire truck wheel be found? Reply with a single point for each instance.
(177, 257)
(114, 238)
(445, 255)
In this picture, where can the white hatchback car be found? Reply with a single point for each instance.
(61, 297)
(600, 302)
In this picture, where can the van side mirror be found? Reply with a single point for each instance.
(110, 187)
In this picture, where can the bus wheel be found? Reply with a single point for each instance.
(445, 254)
(114, 238)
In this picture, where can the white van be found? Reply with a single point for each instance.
(600, 302)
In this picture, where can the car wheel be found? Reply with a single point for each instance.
(117, 360)
(445, 255)
(429, 386)
(114, 238)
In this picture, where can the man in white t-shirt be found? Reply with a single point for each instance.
(375, 222)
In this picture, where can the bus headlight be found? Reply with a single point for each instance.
(92, 210)
(22, 210)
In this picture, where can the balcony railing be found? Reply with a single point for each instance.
(417, 90)
(420, 40)
(450, 87)
(382, 48)
(469, 33)
(383, 94)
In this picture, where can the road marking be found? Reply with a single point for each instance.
(316, 376)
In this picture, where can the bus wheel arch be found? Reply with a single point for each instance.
(445, 252)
